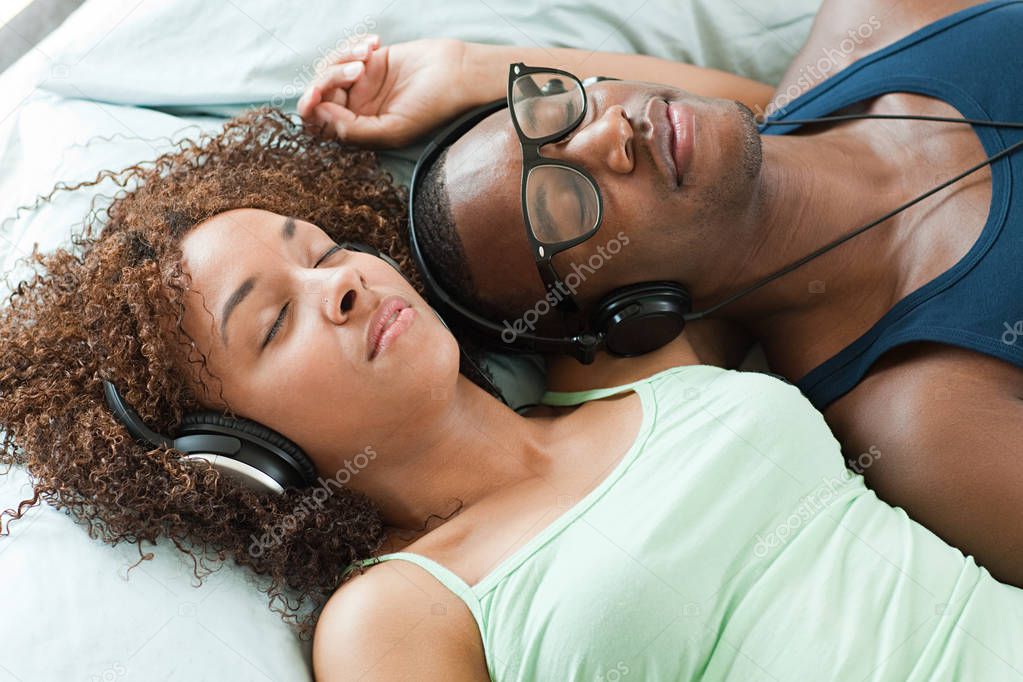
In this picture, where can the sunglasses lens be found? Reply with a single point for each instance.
(561, 204)
(546, 103)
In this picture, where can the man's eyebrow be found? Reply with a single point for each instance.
(246, 287)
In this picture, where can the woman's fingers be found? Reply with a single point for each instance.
(358, 51)
(365, 131)
(362, 48)
(331, 85)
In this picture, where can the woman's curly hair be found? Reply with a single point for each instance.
(96, 314)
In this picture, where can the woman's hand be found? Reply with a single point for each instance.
(388, 96)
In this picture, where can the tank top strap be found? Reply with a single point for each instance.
(459, 587)
(566, 398)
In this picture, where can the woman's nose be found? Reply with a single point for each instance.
(606, 141)
(344, 294)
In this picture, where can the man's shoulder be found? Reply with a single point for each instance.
(845, 31)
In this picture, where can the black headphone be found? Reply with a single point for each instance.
(239, 448)
(637, 318)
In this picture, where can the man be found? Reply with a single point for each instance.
(905, 337)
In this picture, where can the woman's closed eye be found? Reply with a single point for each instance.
(282, 315)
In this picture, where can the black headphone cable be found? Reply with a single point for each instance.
(841, 240)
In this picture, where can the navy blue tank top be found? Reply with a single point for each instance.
(971, 60)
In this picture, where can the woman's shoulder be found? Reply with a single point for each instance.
(751, 417)
(710, 384)
(395, 621)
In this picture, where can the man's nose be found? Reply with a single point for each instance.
(605, 142)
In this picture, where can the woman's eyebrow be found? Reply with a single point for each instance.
(246, 287)
(288, 230)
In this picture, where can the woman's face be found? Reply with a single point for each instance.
(320, 373)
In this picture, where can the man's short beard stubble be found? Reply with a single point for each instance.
(753, 152)
(712, 200)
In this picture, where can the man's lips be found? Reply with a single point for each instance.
(392, 316)
(660, 139)
(683, 128)
(671, 138)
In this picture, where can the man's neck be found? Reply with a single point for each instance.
(813, 190)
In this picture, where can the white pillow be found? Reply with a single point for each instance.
(195, 56)
(191, 52)
(73, 611)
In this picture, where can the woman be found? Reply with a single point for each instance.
(115, 308)
(687, 522)
(903, 337)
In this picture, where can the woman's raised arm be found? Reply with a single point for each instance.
(488, 66)
(389, 96)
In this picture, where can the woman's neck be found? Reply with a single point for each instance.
(454, 458)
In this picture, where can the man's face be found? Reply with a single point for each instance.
(673, 221)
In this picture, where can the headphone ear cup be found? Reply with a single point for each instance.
(297, 463)
(641, 318)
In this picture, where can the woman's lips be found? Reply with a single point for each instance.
(683, 130)
(392, 317)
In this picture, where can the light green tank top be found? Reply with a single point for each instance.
(731, 543)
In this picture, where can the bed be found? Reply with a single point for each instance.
(118, 82)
